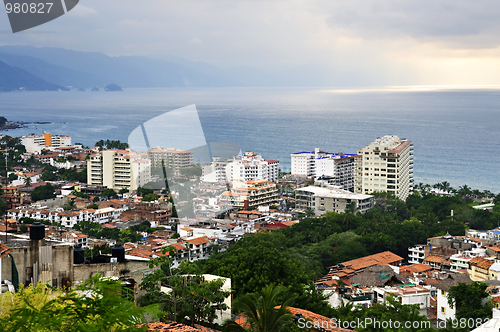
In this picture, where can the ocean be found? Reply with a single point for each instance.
(455, 131)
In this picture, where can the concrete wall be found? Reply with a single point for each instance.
(53, 202)
(24, 257)
(133, 269)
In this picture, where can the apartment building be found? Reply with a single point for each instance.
(118, 169)
(385, 164)
(246, 167)
(35, 143)
(172, 158)
(329, 198)
(250, 194)
(337, 168)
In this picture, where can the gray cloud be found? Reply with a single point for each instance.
(458, 23)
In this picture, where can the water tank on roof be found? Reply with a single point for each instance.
(119, 252)
(78, 254)
(37, 231)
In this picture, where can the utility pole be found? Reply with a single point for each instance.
(5, 195)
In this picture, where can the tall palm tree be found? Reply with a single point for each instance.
(264, 312)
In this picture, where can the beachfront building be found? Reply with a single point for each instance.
(249, 166)
(172, 158)
(385, 164)
(118, 169)
(329, 198)
(336, 168)
(35, 143)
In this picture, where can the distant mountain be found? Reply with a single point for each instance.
(90, 69)
(52, 73)
(12, 78)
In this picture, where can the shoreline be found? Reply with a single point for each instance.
(20, 124)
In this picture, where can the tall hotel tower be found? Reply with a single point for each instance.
(385, 164)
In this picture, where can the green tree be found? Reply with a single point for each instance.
(27, 181)
(191, 299)
(48, 176)
(468, 300)
(150, 197)
(12, 177)
(109, 193)
(43, 192)
(264, 312)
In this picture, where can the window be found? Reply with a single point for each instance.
(443, 310)
(443, 293)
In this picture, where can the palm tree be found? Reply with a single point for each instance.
(27, 181)
(262, 312)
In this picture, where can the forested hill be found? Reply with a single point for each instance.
(12, 78)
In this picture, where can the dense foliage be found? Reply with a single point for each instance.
(43, 192)
(95, 305)
(190, 299)
(470, 301)
(298, 255)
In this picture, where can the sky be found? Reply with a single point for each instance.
(400, 42)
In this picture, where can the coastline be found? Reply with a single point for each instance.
(20, 124)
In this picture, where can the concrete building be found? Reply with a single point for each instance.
(118, 169)
(385, 164)
(405, 294)
(249, 166)
(172, 158)
(250, 194)
(34, 143)
(479, 269)
(338, 168)
(444, 310)
(329, 198)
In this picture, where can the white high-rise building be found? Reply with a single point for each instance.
(385, 164)
(34, 143)
(250, 166)
(119, 169)
(336, 168)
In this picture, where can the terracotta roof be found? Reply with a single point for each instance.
(481, 262)
(431, 281)
(4, 250)
(197, 241)
(177, 327)
(139, 253)
(316, 318)
(415, 268)
(434, 259)
(382, 258)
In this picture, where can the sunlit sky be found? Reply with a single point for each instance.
(393, 42)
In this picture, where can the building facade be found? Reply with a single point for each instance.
(337, 168)
(172, 158)
(118, 169)
(247, 167)
(385, 164)
(328, 198)
(250, 194)
(34, 143)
